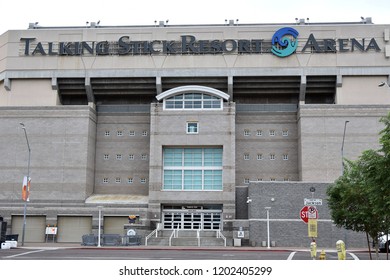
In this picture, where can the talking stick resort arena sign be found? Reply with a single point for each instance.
(284, 43)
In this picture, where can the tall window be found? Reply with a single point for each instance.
(192, 169)
(191, 101)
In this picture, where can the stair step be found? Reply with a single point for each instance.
(186, 238)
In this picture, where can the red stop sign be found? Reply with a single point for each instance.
(308, 212)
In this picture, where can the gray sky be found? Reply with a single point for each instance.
(18, 14)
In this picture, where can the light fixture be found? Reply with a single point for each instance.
(381, 84)
(26, 198)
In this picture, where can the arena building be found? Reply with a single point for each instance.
(208, 130)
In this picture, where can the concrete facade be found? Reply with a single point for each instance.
(93, 101)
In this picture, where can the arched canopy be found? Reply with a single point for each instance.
(192, 89)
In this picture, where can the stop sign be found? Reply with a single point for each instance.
(308, 212)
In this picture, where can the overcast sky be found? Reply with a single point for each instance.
(18, 14)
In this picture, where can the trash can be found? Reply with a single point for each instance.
(12, 237)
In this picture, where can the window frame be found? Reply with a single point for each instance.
(196, 127)
(181, 102)
(200, 167)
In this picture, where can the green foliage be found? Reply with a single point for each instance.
(359, 200)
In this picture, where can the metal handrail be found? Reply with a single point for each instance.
(170, 238)
(150, 235)
(220, 235)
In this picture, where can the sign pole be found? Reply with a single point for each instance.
(27, 191)
(268, 238)
(99, 229)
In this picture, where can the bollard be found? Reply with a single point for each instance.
(341, 252)
(323, 255)
(313, 249)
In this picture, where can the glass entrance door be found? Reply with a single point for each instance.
(192, 220)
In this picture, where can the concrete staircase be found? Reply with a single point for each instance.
(186, 238)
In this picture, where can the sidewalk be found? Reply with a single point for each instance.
(51, 245)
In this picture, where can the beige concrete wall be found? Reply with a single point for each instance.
(62, 141)
(321, 130)
(29, 92)
(363, 90)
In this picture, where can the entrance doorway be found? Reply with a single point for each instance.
(192, 218)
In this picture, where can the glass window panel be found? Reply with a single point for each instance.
(216, 104)
(178, 104)
(192, 127)
(189, 96)
(186, 169)
(192, 157)
(188, 104)
(213, 179)
(169, 104)
(172, 180)
(172, 157)
(213, 157)
(179, 96)
(207, 104)
(197, 104)
(193, 101)
(192, 179)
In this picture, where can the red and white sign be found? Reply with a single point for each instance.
(308, 212)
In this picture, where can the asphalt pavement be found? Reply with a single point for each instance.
(78, 251)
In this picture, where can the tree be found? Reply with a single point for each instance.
(359, 200)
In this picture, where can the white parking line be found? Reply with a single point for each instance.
(354, 256)
(290, 257)
(22, 254)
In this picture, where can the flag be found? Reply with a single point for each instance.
(26, 188)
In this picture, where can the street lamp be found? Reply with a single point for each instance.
(99, 229)
(342, 149)
(27, 183)
(268, 243)
(381, 84)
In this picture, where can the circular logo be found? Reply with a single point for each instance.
(284, 42)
